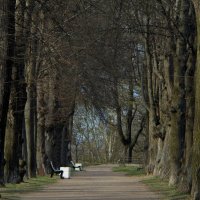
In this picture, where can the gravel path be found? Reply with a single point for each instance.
(96, 183)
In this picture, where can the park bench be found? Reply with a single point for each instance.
(55, 171)
(76, 166)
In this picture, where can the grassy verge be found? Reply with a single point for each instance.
(130, 170)
(11, 191)
(162, 187)
(154, 183)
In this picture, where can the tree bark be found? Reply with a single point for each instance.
(186, 170)
(178, 109)
(152, 107)
(18, 100)
(8, 31)
(30, 109)
(196, 135)
(40, 137)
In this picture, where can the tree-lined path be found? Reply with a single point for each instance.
(96, 183)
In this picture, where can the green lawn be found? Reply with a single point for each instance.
(130, 170)
(162, 187)
(154, 183)
(11, 190)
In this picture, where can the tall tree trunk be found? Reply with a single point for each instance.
(152, 107)
(23, 18)
(30, 107)
(8, 32)
(178, 109)
(30, 111)
(50, 122)
(66, 156)
(186, 172)
(40, 137)
(196, 135)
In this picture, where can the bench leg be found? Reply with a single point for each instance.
(52, 173)
(61, 175)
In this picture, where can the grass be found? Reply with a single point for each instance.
(154, 183)
(130, 170)
(11, 190)
(162, 187)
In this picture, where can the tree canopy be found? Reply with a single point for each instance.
(99, 80)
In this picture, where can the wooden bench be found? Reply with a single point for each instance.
(55, 171)
(76, 166)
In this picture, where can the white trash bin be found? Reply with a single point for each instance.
(66, 171)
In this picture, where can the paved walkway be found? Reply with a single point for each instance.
(96, 183)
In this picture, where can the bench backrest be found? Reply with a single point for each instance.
(72, 163)
(52, 167)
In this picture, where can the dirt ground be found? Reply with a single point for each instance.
(95, 183)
